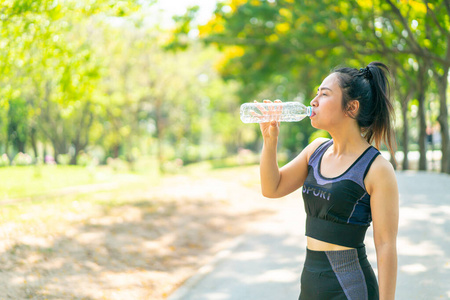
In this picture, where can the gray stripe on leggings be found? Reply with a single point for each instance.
(345, 264)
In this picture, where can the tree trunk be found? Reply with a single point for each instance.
(81, 139)
(422, 87)
(73, 159)
(34, 142)
(405, 133)
(443, 122)
(404, 98)
(59, 143)
(115, 150)
(56, 150)
(160, 127)
(51, 125)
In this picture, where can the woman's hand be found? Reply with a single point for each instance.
(270, 130)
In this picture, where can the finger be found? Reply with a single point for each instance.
(278, 109)
(261, 107)
(270, 108)
(258, 117)
(273, 129)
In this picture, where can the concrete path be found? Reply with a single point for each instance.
(266, 262)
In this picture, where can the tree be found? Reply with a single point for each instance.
(427, 32)
(49, 63)
(279, 38)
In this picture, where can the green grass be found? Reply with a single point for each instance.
(19, 182)
(51, 210)
(41, 180)
(45, 211)
(34, 192)
(31, 181)
(56, 209)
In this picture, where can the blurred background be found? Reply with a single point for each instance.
(98, 94)
(92, 82)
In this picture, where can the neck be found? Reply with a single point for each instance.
(348, 140)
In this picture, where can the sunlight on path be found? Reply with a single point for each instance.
(267, 262)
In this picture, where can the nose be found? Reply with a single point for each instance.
(314, 102)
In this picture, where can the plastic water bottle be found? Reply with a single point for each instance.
(280, 112)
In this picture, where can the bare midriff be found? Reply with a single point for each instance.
(317, 245)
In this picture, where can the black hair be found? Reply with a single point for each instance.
(370, 86)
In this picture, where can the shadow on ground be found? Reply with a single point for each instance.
(138, 249)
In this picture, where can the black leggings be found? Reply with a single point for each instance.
(338, 275)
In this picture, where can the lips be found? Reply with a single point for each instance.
(312, 114)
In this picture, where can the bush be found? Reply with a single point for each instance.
(196, 153)
(4, 160)
(173, 166)
(49, 160)
(63, 159)
(22, 159)
(84, 159)
(117, 164)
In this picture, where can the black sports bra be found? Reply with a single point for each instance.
(338, 209)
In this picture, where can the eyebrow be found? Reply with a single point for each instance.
(325, 88)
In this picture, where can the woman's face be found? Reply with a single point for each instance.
(327, 105)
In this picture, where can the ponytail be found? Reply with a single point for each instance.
(370, 86)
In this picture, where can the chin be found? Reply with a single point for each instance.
(315, 125)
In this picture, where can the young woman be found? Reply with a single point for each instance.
(346, 185)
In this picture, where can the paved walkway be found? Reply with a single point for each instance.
(265, 263)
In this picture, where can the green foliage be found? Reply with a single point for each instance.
(283, 49)
(88, 80)
(180, 35)
(18, 123)
(84, 79)
(4, 160)
(319, 134)
(63, 159)
(22, 159)
(50, 70)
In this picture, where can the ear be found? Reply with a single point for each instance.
(352, 108)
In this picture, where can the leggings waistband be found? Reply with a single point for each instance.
(321, 259)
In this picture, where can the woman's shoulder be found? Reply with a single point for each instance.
(381, 165)
(381, 171)
(312, 147)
